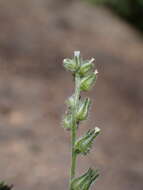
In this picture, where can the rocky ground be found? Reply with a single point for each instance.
(34, 38)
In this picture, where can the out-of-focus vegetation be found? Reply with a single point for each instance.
(4, 186)
(131, 10)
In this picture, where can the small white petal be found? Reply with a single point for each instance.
(95, 72)
(97, 129)
(77, 53)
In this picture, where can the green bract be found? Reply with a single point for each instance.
(78, 109)
(83, 144)
(82, 111)
(84, 182)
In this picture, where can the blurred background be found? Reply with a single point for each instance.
(35, 36)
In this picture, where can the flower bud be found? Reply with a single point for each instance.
(88, 81)
(83, 144)
(82, 111)
(84, 182)
(73, 64)
(71, 101)
(86, 67)
(70, 65)
(67, 122)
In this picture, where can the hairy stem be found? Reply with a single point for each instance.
(74, 126)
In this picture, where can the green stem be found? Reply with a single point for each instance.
(73, 166)
(74, 127)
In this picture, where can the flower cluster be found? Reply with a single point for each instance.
(78, 108)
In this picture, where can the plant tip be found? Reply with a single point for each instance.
(77, 53)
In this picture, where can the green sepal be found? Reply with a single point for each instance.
(70, 65)
(83, 108)
(86, 67)
(84, 182)
(88, 81)
(84, 144)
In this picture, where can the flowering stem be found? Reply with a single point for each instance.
(78, 109)
(74, 126)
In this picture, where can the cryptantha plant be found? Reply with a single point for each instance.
(77, 111)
